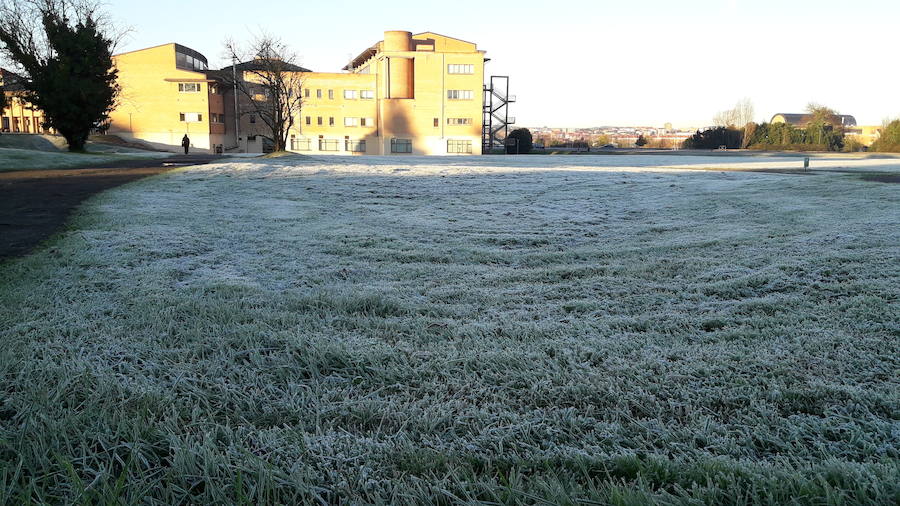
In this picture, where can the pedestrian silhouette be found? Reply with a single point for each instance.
(186, 143)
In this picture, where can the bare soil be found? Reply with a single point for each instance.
(882, 178)
(34, 204)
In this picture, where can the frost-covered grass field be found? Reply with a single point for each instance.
(607, 330)
(27, 159)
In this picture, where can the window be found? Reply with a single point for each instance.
(252, 118)
(350, 94)
(459, 94)
(299, 144)
(401, 146)
(331, 121)
(190, 117)
(437, 122)
(367, 121)
(459, 121)
(459, 146)
(328, 144)
(330, 94)
(319, 120)
(456, 68)
(306, 93)
(318, 93)
(351, 122)
(355, 146)
(193, 61)
(308, 120)
(366, 94)
(189, 87)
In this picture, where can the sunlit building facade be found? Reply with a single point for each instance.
(407, 94)
(166, 93)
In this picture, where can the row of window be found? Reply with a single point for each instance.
(457, 68)
(359, 146)
(188, 62)
(453, 146)
(190, 117)
(352, 145)
(369, 94)
(23, 125)
(195, 88)
(189, 87)
(459, 94)
(348, 94)
(196, 117)
(459, 146)
(367, 122)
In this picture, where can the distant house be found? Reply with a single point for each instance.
(865, 135)
(801, 120)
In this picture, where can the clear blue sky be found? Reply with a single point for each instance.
(585, 63)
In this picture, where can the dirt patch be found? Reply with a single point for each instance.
(34, 204)
(882, 178)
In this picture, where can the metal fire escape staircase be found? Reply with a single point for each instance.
(495, 113)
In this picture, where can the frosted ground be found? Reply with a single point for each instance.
(612, 329)
(26, 159)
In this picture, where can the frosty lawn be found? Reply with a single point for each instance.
(494, 329)
(26, 159)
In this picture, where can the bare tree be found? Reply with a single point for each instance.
(738, 116)
(823, 114)
(269, 84)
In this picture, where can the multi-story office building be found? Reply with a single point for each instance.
(166, 92)
(17, 115)
(407, 94)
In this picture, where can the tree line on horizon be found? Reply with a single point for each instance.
(824, 132)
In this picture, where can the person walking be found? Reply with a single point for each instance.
(185, 143)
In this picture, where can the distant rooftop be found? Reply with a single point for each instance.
(804, 119)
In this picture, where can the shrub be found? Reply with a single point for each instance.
(524, 144)
(889, 142)
(712, 138)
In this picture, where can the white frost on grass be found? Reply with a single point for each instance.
(493, 328)
(27, 159)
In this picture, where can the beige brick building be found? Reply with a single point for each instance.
(167, 92)
(17, 115)
(407, 94)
